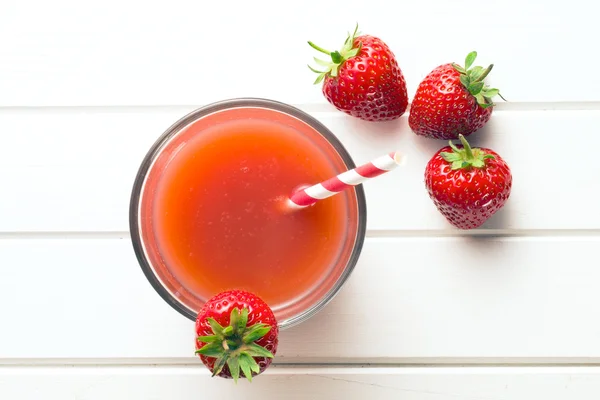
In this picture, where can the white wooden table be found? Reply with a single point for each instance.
(509, 311)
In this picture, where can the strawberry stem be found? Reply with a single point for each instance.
(467, 147)
(319, 48)
(465, 157)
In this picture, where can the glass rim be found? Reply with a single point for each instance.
(242, 102)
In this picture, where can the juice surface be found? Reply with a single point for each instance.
(217, 213)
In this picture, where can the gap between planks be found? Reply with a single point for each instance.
(308, 107)
(191, 362)
(373, 234)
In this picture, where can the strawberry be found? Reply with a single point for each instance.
(236, 330)
(452, 100)
(467, 185)
(363, 79)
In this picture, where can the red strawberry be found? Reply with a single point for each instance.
(236, 330)
(467, 185)
(363, 79)
(452, 100)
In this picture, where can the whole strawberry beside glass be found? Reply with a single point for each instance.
(468, 185)
(363, 78)
(236, 335)
(452, 100)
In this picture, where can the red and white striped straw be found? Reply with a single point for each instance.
(308, 196)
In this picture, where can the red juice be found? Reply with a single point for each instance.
(217, 218)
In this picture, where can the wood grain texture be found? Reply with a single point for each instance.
(70, 170)
(415, 300)
(188, 52)
(158, 383)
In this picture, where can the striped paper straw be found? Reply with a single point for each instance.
(308, 196)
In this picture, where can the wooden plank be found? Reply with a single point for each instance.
(190, 52)
(409, 300)
(158, 383)
(70, 170)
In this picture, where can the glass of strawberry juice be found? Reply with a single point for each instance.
(208, 210)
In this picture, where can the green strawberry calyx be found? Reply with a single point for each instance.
(465, 157)
(472, 80)
(234, 345)
(331, 68)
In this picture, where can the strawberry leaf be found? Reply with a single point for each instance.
(355, 31)
(353, 52)
(457, 164)
(243, 320)
(245, 365)
(253, 365)
(256, 332)
(215, 326)
(336, 57)
(486, 72)
(320, 78)
(321, 62)
(489, 93)
(475, 73)
(459, 68)
(451, 157)
(234, 368)
(214, 349)
(475, 88)
(255, 350)
(464, 79)
(316, 70)
(481, 100)
(206, 339)
(470, 59)
(227, 331)
(478, 163)
(234, 320)
(219, 364)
